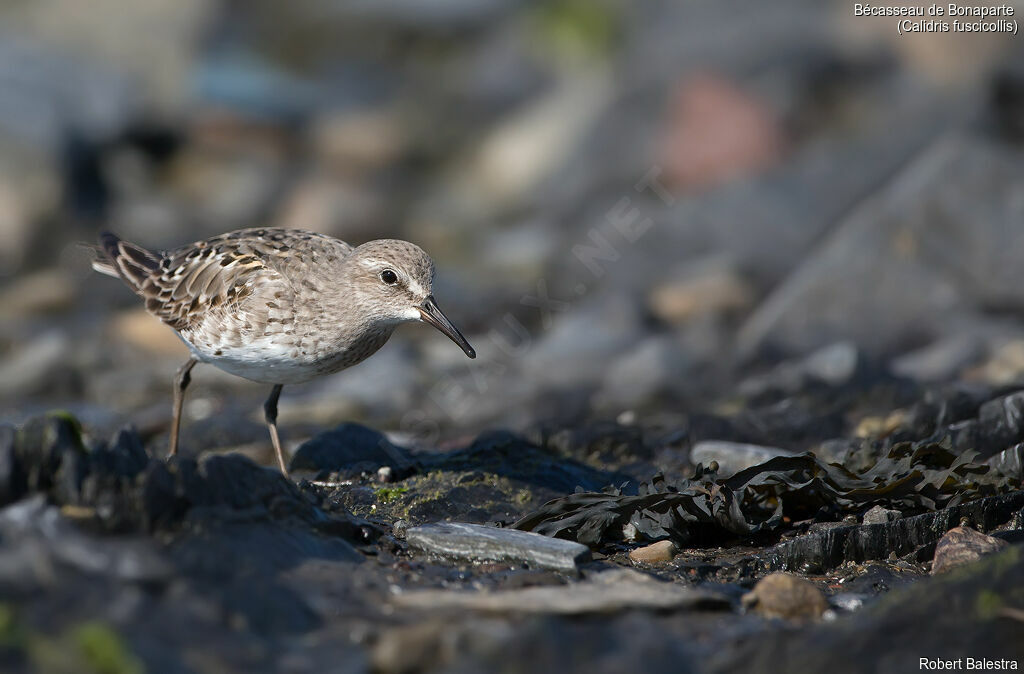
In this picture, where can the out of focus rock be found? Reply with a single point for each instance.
(655, 553)
(577, 337)
(894, 270)
(1004, 366)
(710, 287)
(782, 595)
(941, 360)
(41, 292)
(961, 546)
(833, 365)
(359, 140)
(341, 206)
(732, 457)
(717, 132)
(29, 367)
(148, 333)
(640, 373)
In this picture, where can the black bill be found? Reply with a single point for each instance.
(432, 314)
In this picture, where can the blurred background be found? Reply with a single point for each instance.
(635, 207)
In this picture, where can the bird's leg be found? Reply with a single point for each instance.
(181, 382)
(270, 411)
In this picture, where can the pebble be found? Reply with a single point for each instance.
(880, 515)
(961, 546)
(480, 543)
(655, 553)
(781, 595)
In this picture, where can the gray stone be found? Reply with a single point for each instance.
(1009, 461)
(880, 515)
(614, 590)
(936, 243)
(835, 365)
(732, 457)
(476, 542)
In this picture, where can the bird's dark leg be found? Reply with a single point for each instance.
(181, 382)
(270, 411)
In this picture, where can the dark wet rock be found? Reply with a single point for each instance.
(732, 457)
(37, 534)
(782, 595)
(46, 446)
(1009, 461)
(880, 515)
(823, 550)
(612, 590)
(12, 480)
(474, 542)
(655, 553)
(351, 448)
(508, 455)
(944, 616)
(962, 545)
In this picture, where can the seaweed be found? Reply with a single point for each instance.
(910, 477)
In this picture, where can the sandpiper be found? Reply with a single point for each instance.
(278, 306)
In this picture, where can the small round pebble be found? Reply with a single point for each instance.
(655, 553)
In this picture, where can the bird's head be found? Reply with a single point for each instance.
(393, 280)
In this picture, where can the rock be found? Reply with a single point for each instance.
(890, 261)
(350, 447)
(32, 522)
(605, 592)
(1009, 461)
(655, 553)
(818, 552)
(880, 515)
(732, 457)
(508, 455)
(42, 292)
(781, 595)
(12, 480)
(639, 374)
(717, 133)
(962, 546)
(148, 333)
(475, 542)
(711, 286)
(832, 365)
(29, 369)
(941, 360)
(957, 613)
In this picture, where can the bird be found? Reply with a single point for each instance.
(278, 306)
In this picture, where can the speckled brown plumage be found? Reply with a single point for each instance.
(279, 306)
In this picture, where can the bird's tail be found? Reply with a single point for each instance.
(122, 259)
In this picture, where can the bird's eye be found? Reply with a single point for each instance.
(389, 277)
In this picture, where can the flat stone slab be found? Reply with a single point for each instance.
(479, 543)
(606, 592)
